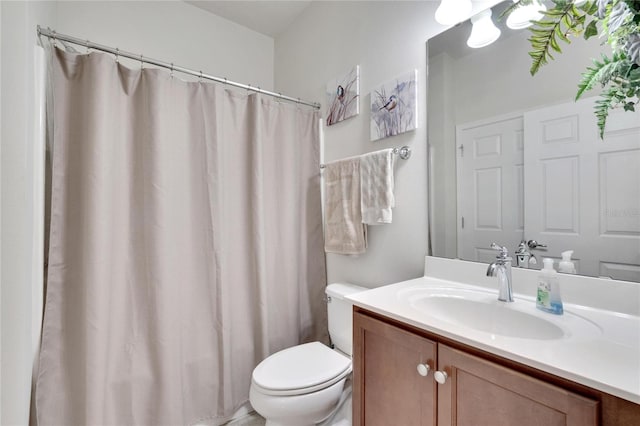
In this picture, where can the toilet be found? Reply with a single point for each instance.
(303, 385)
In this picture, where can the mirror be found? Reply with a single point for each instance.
(513, 157)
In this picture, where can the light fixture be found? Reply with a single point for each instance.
(483, 32)
(451, 12)
(523, 15)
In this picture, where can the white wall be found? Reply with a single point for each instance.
(386, 38)
(1, 383)
(19, 190)
(509, 86)
(173, 31)
(167, 30)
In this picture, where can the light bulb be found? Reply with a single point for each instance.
(451, 12)
(522, 16)
(483, 32)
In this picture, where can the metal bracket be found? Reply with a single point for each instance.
(403, 152)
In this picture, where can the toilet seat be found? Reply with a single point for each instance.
(300, 370)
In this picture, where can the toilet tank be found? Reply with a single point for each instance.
(340, 316)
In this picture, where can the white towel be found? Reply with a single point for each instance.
(376, 186)
(344, 232)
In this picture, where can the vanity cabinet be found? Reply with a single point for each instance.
(480, 392)
(391, 388)
(388, 389)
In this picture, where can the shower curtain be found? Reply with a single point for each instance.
(185, 245)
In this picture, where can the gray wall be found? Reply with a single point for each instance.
(386, 38)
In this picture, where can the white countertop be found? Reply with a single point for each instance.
(607, 360)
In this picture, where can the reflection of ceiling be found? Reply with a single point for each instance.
(266, 16)
(454, 40)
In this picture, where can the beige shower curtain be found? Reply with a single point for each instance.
(185, 245)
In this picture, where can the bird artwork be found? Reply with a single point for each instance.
(343, 96)
(340, 93)
(391, 103)
(393, 107)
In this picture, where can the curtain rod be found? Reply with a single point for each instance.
(90, 45)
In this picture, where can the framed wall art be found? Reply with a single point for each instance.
(394, 107)
(343, 97)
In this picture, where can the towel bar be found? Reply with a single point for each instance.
(403, 152)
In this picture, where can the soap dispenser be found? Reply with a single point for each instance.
(548, 298)
(566, 265)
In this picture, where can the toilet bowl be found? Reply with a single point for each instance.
(302, 385)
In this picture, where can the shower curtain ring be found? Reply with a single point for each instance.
(55, 39)
(171, 69)
(117, 54)
(200, 78)
(141, 61)
(86, 44)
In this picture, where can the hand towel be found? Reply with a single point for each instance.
(376, 186)
(344, 232)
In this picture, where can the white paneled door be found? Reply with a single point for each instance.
(490, 184)
(582, 192)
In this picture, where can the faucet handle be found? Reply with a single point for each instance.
(522, 248)
(497, 247)
(533, 244)
(503, 250)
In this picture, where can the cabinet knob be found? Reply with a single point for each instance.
(440, 376)
(423, 369)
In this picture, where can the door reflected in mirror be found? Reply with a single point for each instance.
(513, 157)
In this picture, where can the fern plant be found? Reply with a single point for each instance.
(619, 22)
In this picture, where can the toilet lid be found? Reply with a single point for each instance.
(301, 367)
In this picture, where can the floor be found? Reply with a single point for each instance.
(342, 417)
(254, 419)
(251, 419)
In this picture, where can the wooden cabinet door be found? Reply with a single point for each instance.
(478, 392)
(387, 388)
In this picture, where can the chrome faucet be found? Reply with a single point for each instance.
(523, 256)
(501, 268)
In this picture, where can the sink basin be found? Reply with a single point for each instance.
(489, 316)
(481, 311)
